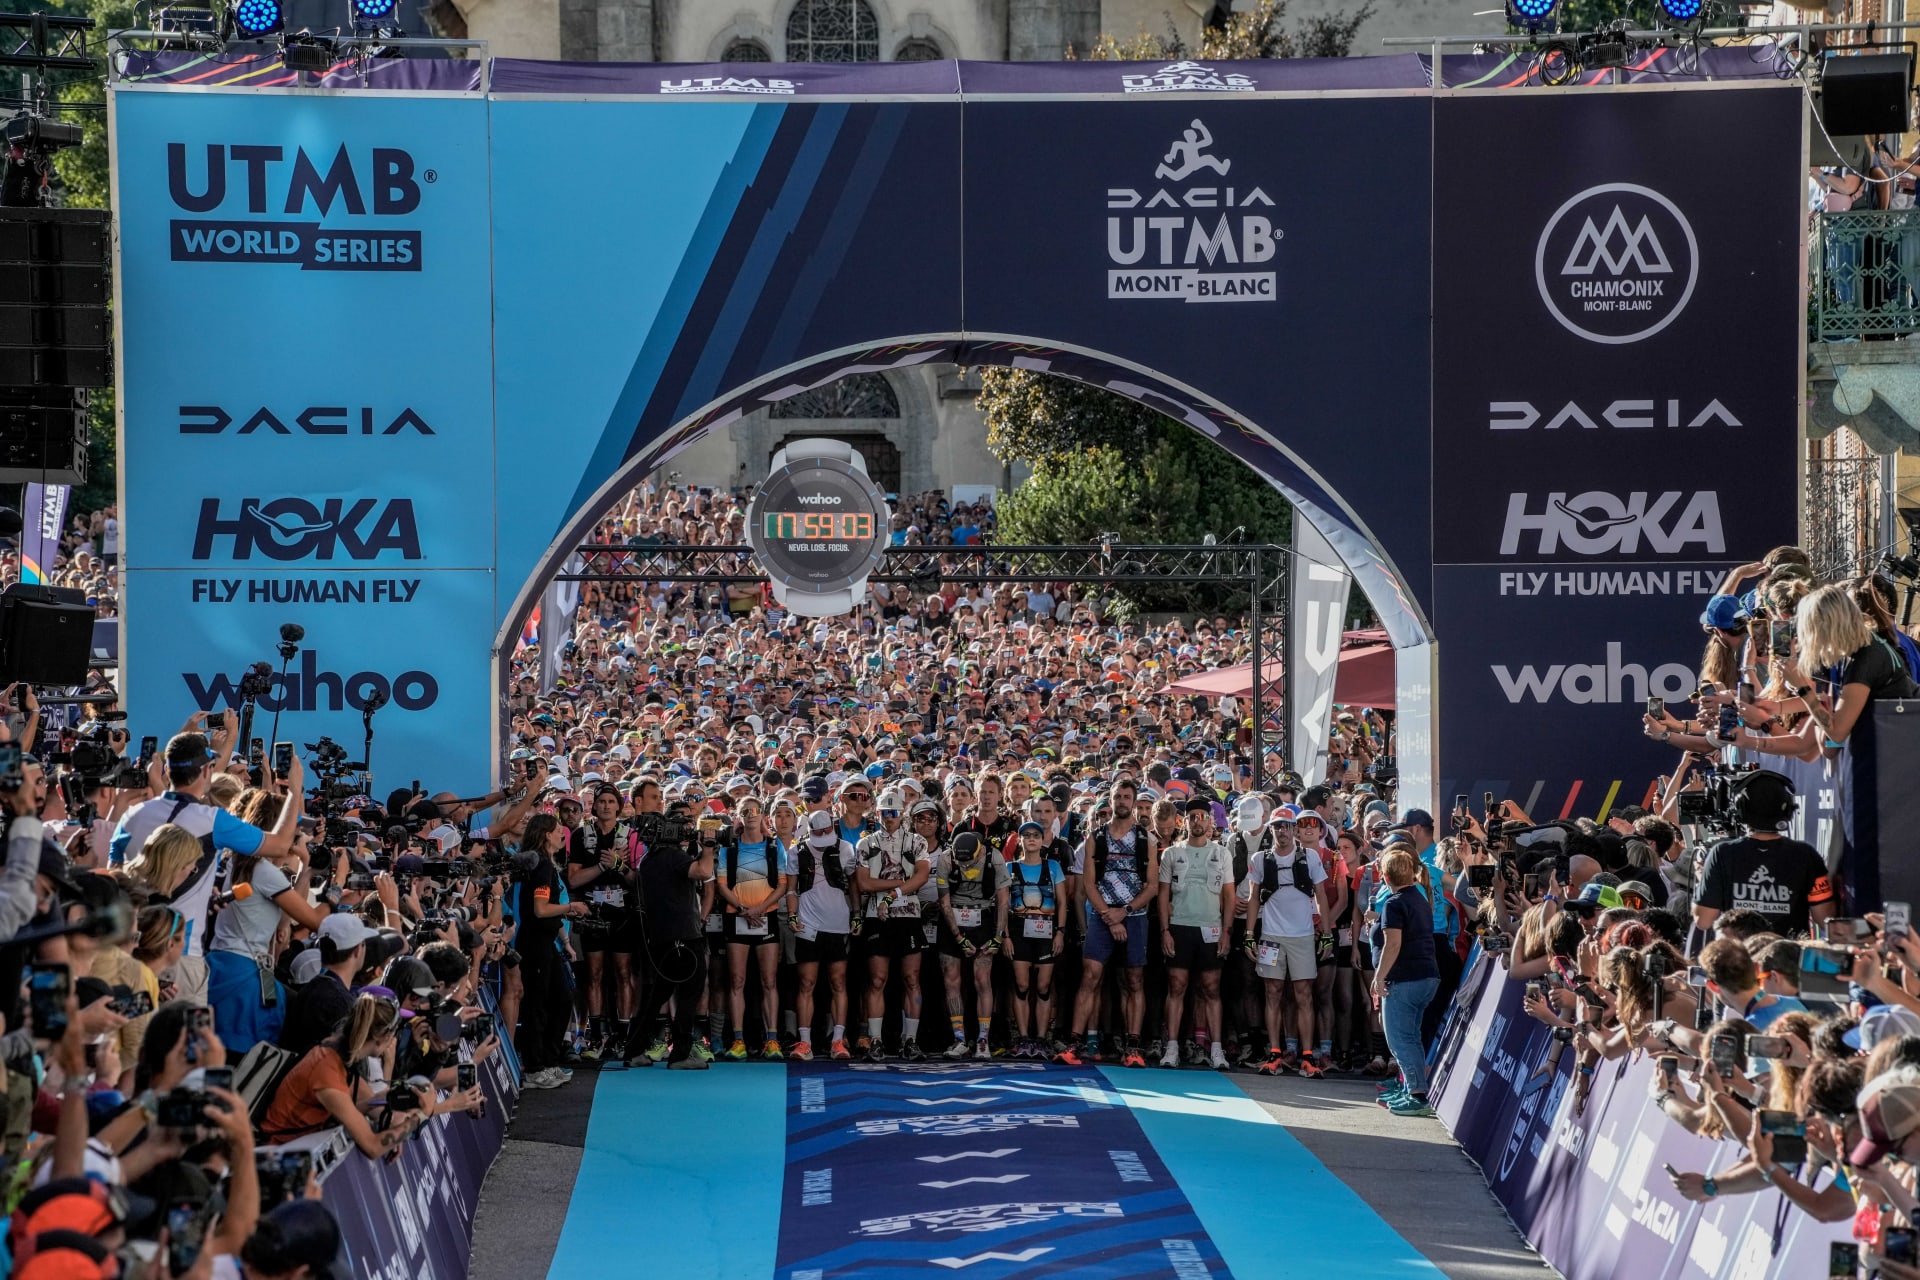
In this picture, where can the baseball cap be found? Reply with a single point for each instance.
(1723, 613)
(1285, 816)
(1882, 1022)
(1199, 804)
(965, 845)
(53, 865)
(1889, 1111)
(814, 788)
(408, 976)
(1414, 818)
(1025, 827)
(347, 930)
(80, 1204)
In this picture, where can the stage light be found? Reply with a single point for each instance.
(1532, 14)
(373, 12)
(1680, 10)
(308, 52)
(255, 18)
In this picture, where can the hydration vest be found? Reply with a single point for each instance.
(831, 866)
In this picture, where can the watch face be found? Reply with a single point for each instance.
(818, 525)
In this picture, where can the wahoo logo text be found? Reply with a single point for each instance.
(308, 688)
(315, 420)
(383, 185)
(295, 529)
(1597, 523)
(1588, 682)
(1161, 254)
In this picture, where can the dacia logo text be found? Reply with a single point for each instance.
(1622, 415)
(314, 420)
(1596, 523)
(295, 529)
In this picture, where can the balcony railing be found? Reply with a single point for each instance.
(1866, 274)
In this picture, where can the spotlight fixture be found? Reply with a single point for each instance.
(1681, 11)
(1533, 15)
(256, 18)
(371, 13)
(304, 51)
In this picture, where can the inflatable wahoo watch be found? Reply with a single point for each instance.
(820, 527)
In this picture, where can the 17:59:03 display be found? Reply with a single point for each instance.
(851, 525)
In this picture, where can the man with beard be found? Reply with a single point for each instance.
(1118, 870)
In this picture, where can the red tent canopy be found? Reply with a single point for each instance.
(1365, 678)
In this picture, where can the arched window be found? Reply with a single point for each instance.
(745, 50)
(833, 31)
(918, 50)
(864, 395)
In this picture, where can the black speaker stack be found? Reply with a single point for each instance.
(1864, 93)
(55, 338)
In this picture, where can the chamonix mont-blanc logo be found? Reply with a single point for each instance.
(1617, 263)
(1186, 77)
(1191, 229)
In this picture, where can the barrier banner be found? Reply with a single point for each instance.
(1583, 511)
(1589, 1189)
(45, 509)
(1884, 752)
(1318, 603)
(412, 1219)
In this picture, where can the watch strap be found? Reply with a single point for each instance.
(818, 447)
(811, 604)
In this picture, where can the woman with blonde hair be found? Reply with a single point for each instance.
(1835, 637)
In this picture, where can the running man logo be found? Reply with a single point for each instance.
(1617, 263)
(1166, 249)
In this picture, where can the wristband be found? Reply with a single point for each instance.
(1709, 1188)
(1830, 744)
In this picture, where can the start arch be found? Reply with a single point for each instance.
(1493, 409)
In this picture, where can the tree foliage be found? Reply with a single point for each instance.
(1259, 32)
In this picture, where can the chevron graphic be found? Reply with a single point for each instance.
(945, 1102)
(1025, 1255)
(962, 1155)
(961, 1182)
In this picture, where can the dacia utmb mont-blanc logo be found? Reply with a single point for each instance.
(1617, 263)
(1186, 77)
(1190, 233)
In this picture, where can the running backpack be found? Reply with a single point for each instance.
(1302, 876)
(832, 867)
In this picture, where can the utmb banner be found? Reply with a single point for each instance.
(1534, 373)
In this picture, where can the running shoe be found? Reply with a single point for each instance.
(694, 1061)
(770, 1051)
(547, 1079)
(1069, 1057)
(1275, 1065)
(637, 1060)
(590, 1052)
(1170, 1056)
(703, 1051)
(1333, 1066)
(957, 1050)
(659, 1049)
(873, 1050)
(1218, 1058)
(912, 1052)
(982, 1051)
(1392, 1084)
(1252, 1056)
(566, 1074)
(803, 1052)
(1389, 1099)
(737, 1051)
(1195, 1055)
(839, 1052)
(1132, 1058)
(1291, 1060)
(1411, 1105)
(1310, 1067)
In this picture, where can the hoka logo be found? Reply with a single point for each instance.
(1639, 247)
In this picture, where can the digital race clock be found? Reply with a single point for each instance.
(820, 527)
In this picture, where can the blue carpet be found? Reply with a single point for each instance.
(1000, 1171)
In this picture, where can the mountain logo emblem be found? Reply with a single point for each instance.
(1617, 263)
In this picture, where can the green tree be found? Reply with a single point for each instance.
(1103, 464)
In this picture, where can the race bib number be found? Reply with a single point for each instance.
(1268, 954)
(714, 923)
(805, 930)
(1346, 937)
(931, 931)
(608, 897)
(1209, 933)
(741, 929)
(967, 917)
(1037, 927)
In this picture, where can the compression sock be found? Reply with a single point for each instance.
(1326, 1051)
(1293, 1044)
(909, 1029)
(959, 1024)
(1202, 1037)
(717, 1030)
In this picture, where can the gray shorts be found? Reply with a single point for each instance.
(1293, 962)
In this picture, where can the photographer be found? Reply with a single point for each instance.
(189, 772)
(672, 874)
(1764, 871)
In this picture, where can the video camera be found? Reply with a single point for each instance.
(1712, 805)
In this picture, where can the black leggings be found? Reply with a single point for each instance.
(545, 1009)
(673, 969)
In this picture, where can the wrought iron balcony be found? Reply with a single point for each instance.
(1866, 274)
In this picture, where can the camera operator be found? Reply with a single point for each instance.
(190, 758)
(673, 873)
(1764, 871)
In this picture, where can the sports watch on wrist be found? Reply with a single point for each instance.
(820, 527)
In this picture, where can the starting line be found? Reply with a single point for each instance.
(999, 1171)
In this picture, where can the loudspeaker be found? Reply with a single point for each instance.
(54, 330)
(46, 635)
(43, 436)
(1866, 92)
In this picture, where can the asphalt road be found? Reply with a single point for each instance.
(1409, 1171)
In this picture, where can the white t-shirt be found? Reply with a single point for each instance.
(823, 908)
(1289, 912)
(892, 857)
